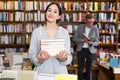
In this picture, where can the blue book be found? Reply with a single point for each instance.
(113, 62)
(20, 5)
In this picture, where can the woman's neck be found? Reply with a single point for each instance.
(51, 25)
(51, 30)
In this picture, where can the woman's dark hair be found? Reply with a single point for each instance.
(59, 8)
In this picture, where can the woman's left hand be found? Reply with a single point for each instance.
(62, 55)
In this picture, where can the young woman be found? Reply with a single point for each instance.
(41, 58)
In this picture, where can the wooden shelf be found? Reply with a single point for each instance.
(73, 9)
(12, 45)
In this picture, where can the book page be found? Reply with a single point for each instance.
(85, 36)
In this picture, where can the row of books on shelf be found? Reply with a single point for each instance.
(11, 39)
(11, 16)
(107, 28)
(11, 5)
(41, 5)
(119, 7)
(105, 17)
(103, 28)
(104, 39)
(107, 39)
(73, 17)
(11, 50)
(17, 28)
(80, 17)
(69, 17)
(39, 16)
(11, 28)
(102, 6)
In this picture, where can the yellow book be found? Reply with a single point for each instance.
(95, 6)
(65, 77)
(1, 5)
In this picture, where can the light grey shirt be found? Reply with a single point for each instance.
(52, 65)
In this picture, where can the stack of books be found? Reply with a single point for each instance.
(53, 46)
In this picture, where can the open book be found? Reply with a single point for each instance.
(85, 37)
(53, 46)
(88, 38)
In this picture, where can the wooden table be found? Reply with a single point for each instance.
(94, 70)
(107, 74)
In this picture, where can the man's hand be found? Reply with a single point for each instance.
(89, 42)
(84, 40)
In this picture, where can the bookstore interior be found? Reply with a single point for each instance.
(18, 18)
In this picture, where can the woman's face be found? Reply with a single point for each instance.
(52, 14)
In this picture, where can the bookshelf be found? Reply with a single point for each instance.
(106, 16)
(18, 18)
(118, 20)
(12, 24)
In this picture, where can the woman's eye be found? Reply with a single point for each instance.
(55, 11)
(49, 10)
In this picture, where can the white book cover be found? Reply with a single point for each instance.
(116, 70)
(38, 13)
(27, 75)
(43, 76)
(16, 5)
(10, 74)
(53, 46)
(17, 59)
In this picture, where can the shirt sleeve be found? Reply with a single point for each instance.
(67, 45)
(33, 49)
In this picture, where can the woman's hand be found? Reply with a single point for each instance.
(42, 56)
(62, 55)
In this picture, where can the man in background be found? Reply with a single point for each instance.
(86, 38)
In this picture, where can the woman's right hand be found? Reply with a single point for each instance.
(42, 56)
